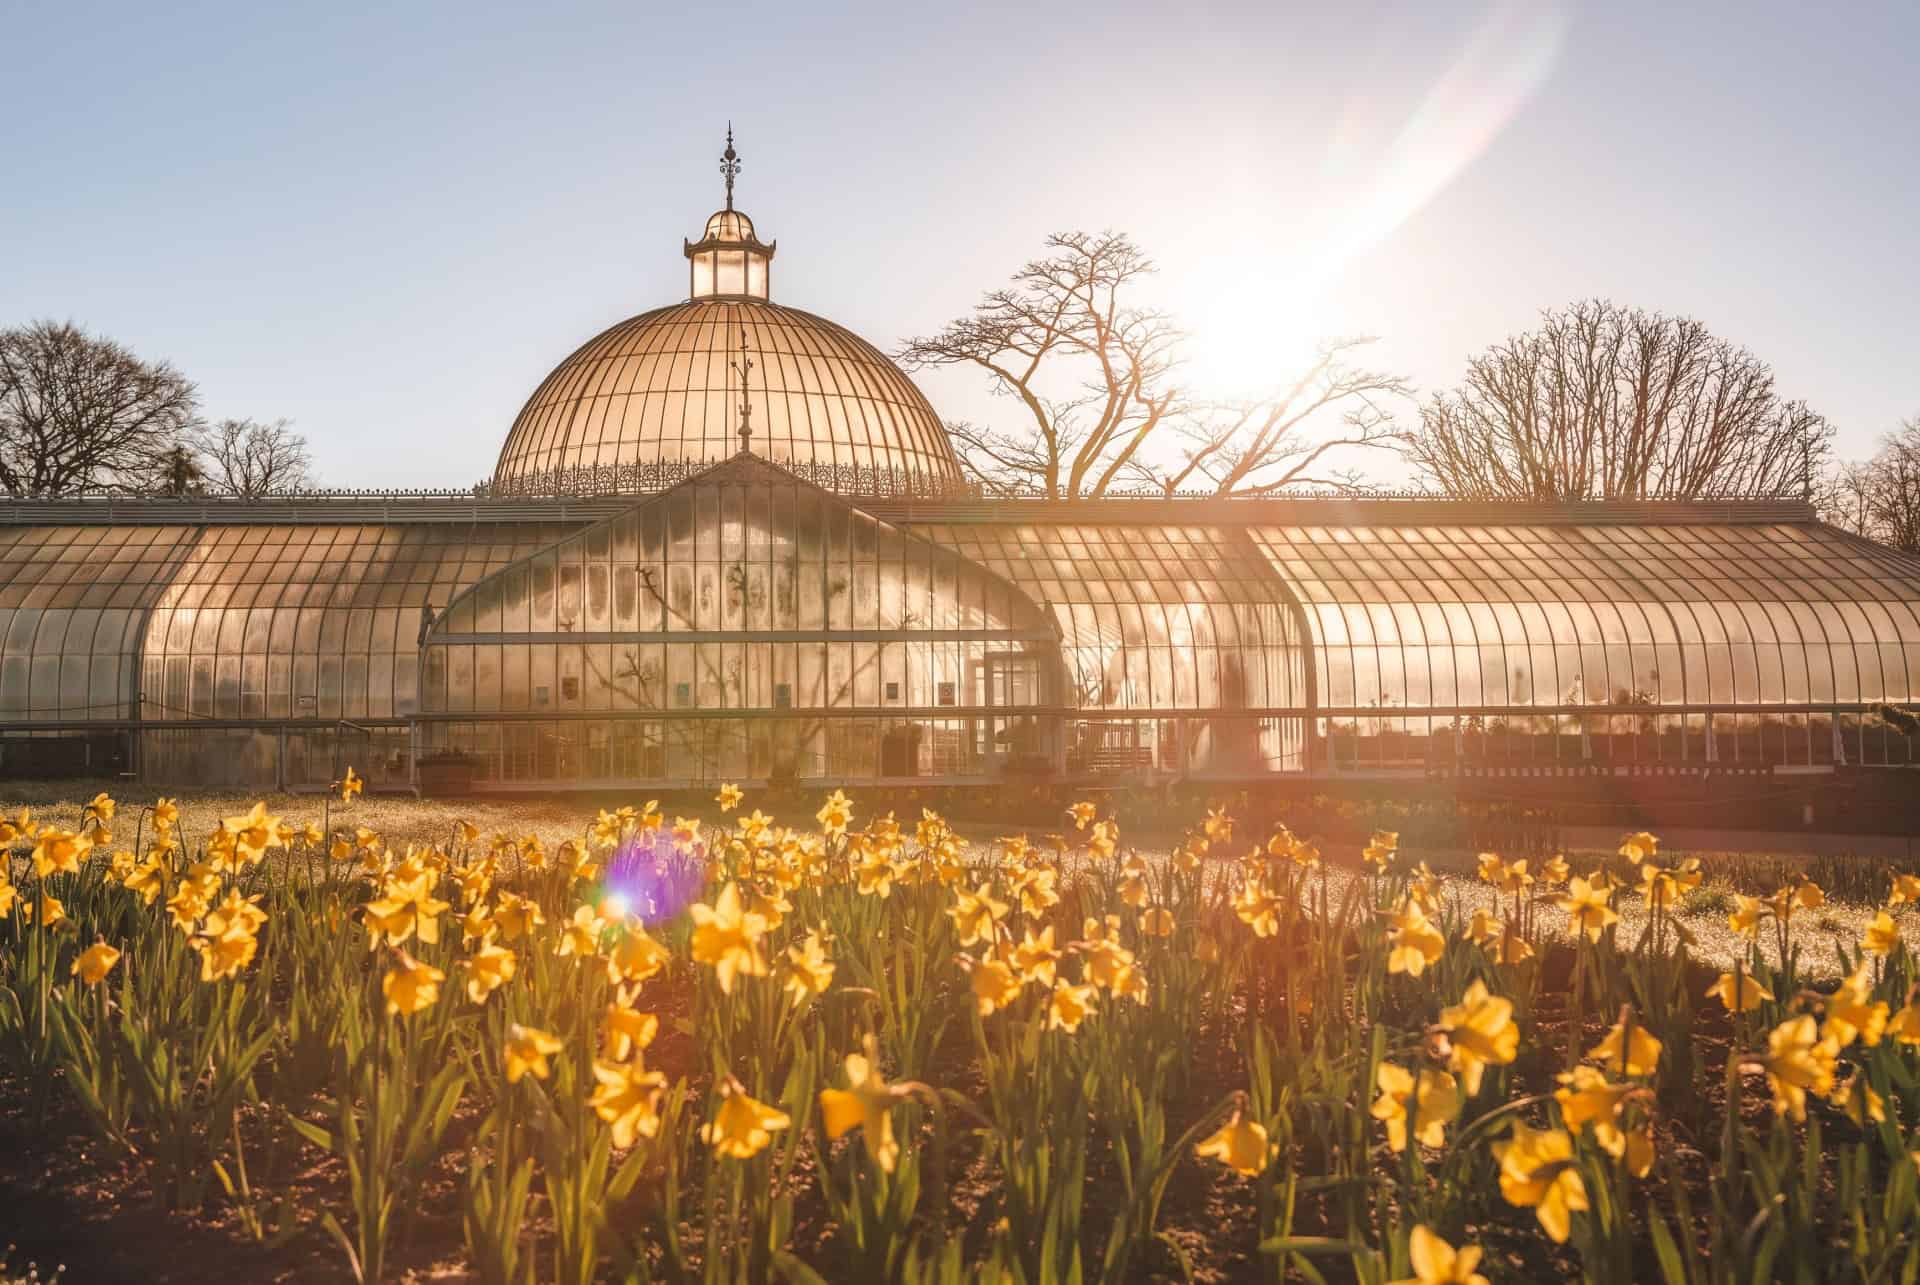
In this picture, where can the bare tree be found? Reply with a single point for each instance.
(1605, 402)
(1264, 444)
(245, 457)
(1094, 375)
(1091, 371)
(1879, 498)
(79, 412)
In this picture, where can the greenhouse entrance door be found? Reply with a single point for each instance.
(1009, 683)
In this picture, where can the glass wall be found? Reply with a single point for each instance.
(73, 604)
(742, 591)
(310, 622)
(749, 624)
(1160, 620)
(1581, 641)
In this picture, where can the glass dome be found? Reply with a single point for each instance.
(664, 388)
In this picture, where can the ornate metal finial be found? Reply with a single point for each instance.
(741, 366)
(730, 164)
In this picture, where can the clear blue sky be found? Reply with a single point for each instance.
(387, 222)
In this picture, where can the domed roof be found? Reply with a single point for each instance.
(663, 387)
(730, 225)
(664, 390)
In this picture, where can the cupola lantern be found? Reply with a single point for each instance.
(729, 261)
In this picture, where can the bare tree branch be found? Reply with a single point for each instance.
(80, 413)
(246, 457)
(1262, 445)
(1605, 402)
(1879, 498)
(1092, 371)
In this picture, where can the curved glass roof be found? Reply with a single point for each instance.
(1571, 614)
(663, 388)
(747, 580)
(73, 611)
(232, 622)
(1152, 617)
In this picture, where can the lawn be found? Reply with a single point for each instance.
(395, 1039)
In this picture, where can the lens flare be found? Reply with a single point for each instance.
(1376, 175)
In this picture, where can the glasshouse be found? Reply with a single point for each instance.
(730, 540)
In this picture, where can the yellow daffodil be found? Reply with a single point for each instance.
(1587, 908)
(1036, 887)
(1483, 928)
(1853, 1013)
(809, 969)
(1752, 993)
(875, 875)
(59, 852)
(728, 938)
(407, 909)
(628, 1030)
(729, 797)
(528, 1050)
(1435, 1105)
(580, 936)
(99, 810)
(743, 1127)
(147, 880)
(488, 969)
(993, 984)
(1068, 1006)
(1554, 870)
(166, 814)
(1258, 908)
(1035, 957)
(975, 913)
(1881, 936)
(517, 916)
(95, 962)
(253, 833)
(865, 1104)
(351, 784)
(834, 816)
(1435, 1262)
(1799, 1061)
(1480, 1033)
(1240, 1144)
(1083, 814)
(627, 1096)
(1906, 889)
(1624, 1053)
(227, 952)
(1156, 921)
(410, 985)
(1414, 940)
(1746, 915)
(1587, 1097)
(1903, 1026)
(636, 957)
(477, 925)
(1537, 1171)
(1639, 847)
